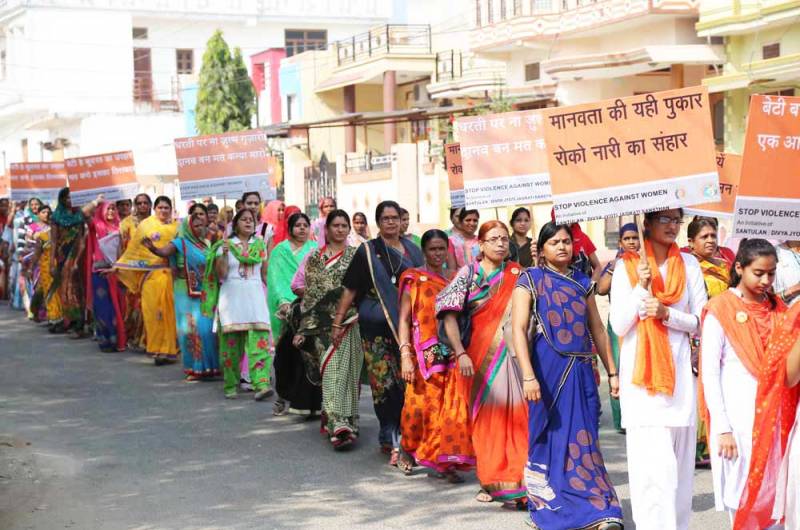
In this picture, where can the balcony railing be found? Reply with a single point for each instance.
(146, 99)
(449, 65)
(388, 39)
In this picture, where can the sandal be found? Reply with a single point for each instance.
(518, 505)
(483, 496)
(279, 408)
(395, 457)
(261, 395)
(231, 395)
(405, 463)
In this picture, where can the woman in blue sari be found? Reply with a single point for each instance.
(568, 486)
(372, 282)
(189, 253)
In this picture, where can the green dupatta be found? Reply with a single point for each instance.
(256, 253)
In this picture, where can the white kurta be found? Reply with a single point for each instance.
(730, 393)
(242, 297)
(638, 407)
(661, 429)
(787, 498)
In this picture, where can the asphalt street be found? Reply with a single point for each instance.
(92, 440)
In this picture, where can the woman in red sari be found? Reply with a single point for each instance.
(434, 425)
(490, 379)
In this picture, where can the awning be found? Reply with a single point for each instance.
(631, 62)
(367, 118)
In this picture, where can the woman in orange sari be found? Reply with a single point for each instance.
(476, 308)
(434, 426)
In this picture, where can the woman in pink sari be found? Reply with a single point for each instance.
(103, 295)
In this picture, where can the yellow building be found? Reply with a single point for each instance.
(762, 48)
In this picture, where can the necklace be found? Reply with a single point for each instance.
(391, 266)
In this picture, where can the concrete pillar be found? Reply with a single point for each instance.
(350, 130)
(389, 129)
(676, 76)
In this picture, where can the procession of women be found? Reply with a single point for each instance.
(483, 346)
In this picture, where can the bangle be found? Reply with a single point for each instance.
(614, 374)
(337, 326)
(529, 379)
(460, 354)
(404, 345)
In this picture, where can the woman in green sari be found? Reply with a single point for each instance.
(284, 260)
(335, 366)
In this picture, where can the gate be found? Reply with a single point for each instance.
(320, 181)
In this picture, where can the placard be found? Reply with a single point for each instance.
(504, 159)
(455, 174)
(631, 155)
(225, 165)
(729, 169)
(112, 174)
(42, 180)
(768, 204)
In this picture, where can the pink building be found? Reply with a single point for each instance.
(264, 67)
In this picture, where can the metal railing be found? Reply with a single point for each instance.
(449, 65)
(384, 40)
(492, 11)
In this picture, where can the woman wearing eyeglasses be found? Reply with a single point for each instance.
(476, 309)
(372, 281)
(655, 307)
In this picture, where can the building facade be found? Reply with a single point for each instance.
(762, 50)
(78, 80)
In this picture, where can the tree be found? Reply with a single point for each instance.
(225, 95)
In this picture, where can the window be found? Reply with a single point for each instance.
(502, 9)
(532, 72)
(301, 40)
(140, 33)
(185, 61)
(478, 13)
(717, 40)
(489, 12)
(770, 51)
(291, 103)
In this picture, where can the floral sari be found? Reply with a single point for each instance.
(198, 343)
(52, 304)
(373, 275)
(498, 410)
(435, 422)
(568, 485)
(144, 273)
(68, 257)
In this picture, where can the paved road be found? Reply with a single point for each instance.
(108, 441)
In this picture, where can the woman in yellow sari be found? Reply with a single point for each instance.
(703, 245)
(43, 255)
(146, 274)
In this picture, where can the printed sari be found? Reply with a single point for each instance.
(196, 338)
(68, 279)
(144, 273)
(568, 485)
(464, 250)
(435, 421)
(104, 295)
(283, 263)
(373, 274)
(333, 366)
(53, 303)
(498, 411)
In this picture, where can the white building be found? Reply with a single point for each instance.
(78, 80)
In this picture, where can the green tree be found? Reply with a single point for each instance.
(225, 95)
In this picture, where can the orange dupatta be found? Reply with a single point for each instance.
(749, 338)
(654, 368)
(776, 406)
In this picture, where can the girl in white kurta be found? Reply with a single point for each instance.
(737, 326)
(660, 421)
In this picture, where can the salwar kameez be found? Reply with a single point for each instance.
(498, 410)
(435, 422)
(568, 485)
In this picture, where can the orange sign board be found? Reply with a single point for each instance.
(37, 179)
(455, 174)
(768, 204)
(729, 169)
(631, 155)
(112, 174)
(504, 159)
(226, 165)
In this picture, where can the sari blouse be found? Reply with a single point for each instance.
(422, 286)
(470, 289)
